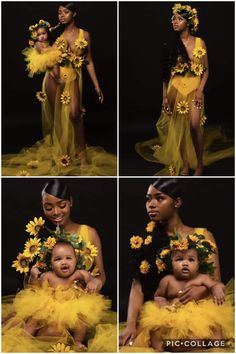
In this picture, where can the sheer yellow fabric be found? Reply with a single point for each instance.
(59, 152)
(174, 139)
(67, 308)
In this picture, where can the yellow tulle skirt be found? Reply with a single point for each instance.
(38, 63)
(174, 143)
(65, 309)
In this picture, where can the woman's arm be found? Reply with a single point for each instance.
(136, 299)
(95, 284)
(215, 257)
(165, 104)
(204, 78)
(91, 69)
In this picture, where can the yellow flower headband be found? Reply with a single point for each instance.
(33, 28)
(192, 17)
(38, 249)
(203, 247)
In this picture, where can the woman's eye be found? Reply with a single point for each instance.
(62, 206)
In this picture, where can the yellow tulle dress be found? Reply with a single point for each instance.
(67, 309)
(173, 132)
(58, 152)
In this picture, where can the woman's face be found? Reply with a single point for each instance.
(159, 205)
(65, 16)
(179, 23)
(63, 260)
(56, 210)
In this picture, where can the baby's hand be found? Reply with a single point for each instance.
(218, 292)
(35, 272)
(94, 285)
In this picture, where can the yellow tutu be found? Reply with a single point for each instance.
(38, 63)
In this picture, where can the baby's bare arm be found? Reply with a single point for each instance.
(160, 296)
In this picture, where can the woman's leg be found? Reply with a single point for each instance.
(197, 137)
(51, 89)
(78, 122)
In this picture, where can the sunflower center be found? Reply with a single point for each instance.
(32, 248)
(23, 263)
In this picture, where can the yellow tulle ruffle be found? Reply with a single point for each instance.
(67, 309)
(38, 63)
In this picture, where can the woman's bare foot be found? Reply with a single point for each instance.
(80, 345)
(185, 171)
(198, 171)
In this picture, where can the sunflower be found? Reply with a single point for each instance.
(197, 69)
(148, 240)
(156, 147)
(78, 62)
(199, 52)
(81, 44)
(60, 43)
(164, 253)
(65, 97)
(150, 226)
(21, 263)
(178, 245)
(90, 250)
(160, 265)
(22, 173)
(193, 238)
(33, 227)
(61, 348)
(203, 121)
(41, 96)
(182, 107)
(65, 160)
(50, 242)
(136, 242)
(95, 272)
(32, 247)
(33, 163)
(144, 267)
(211, 244)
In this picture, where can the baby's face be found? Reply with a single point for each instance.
(63, 260)
(42, 34)
(185, 264)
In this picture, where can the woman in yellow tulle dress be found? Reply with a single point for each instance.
(181, 143)
(60, 305)
(63, 150)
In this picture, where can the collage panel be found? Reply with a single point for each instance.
(59, 250)
(60, 88)
(176, 290)
(174, 85)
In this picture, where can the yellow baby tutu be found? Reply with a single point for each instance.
(38, 63)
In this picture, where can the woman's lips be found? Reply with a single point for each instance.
(153, 213)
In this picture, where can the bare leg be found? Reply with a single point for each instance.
(49, 331)
(79, 336)
(156, 341)
(197, 138)
(185, 169)
(51, 88)
(31, 327)
(78, 123)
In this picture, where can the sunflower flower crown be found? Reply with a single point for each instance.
(191, 13)
(33, 30)
(38, 249)
(204, 248)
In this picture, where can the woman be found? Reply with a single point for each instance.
(57, 202)
(164, 198)
(180, 144)
(63, 150)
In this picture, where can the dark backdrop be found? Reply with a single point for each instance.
(144, 27)
(21, 114)
(94, 204)
(207, 202)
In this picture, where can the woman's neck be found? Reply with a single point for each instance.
(174, 225)
(70, 227)
(185, 35)
(70, 27)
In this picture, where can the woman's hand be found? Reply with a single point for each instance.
(198, 99)
(166, 107)
(192, 293)
(218, 292)
(100, 94)
(94, 285)
(128, 335)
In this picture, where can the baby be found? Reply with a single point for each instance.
(65, 274)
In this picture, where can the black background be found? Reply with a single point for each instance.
(144, 27)
(207, 202)
(94, 203)
(21, 114)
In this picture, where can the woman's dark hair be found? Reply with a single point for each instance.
(58, 189)
(68, 5)
(169, 186)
